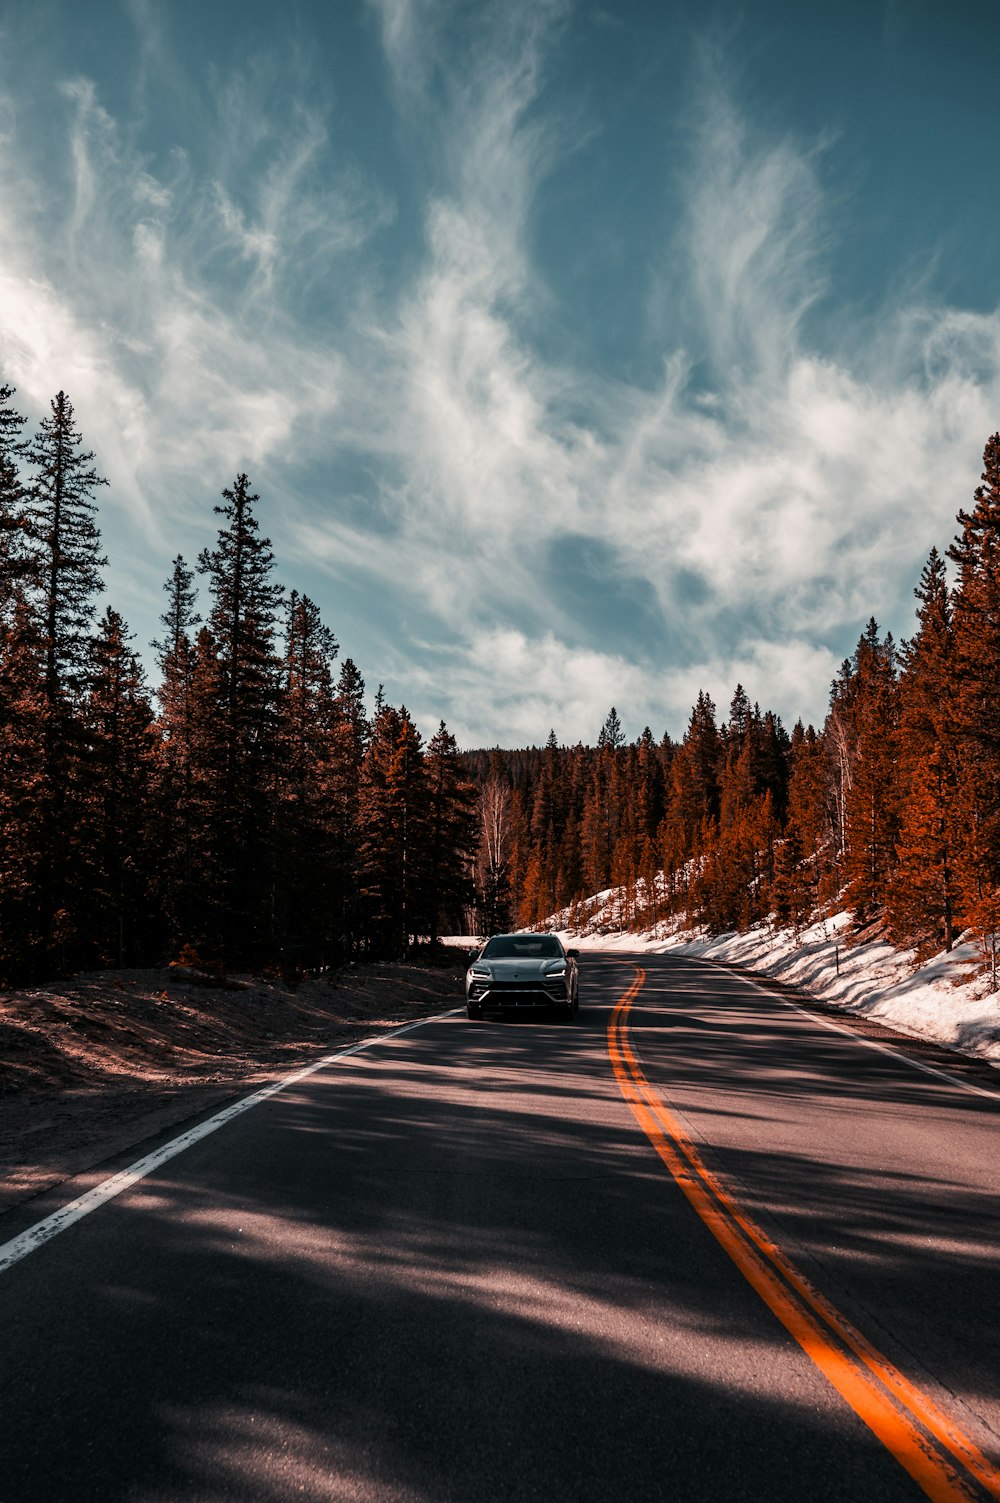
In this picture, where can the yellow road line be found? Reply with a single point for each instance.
(905, 1420)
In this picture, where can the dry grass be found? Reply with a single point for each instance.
(90, 1066)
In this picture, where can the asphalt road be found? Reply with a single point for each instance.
(455, 1267)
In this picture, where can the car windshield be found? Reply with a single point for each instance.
(528, 946)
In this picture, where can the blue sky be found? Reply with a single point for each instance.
(581, 354)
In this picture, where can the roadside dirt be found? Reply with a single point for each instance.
(91, 1066)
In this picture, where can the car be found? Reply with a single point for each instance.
(523, 971)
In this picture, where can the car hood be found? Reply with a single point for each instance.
(521, 968)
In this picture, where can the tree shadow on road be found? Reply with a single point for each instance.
(451, 1270)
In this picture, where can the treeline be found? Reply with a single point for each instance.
(252, 811)
(892, 808)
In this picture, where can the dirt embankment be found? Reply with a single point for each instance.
(90, 1066)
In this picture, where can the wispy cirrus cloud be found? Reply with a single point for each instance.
(775, 489)
(526, 682)
(779, 482)
(169, 300)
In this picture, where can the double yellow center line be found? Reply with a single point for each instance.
(945, 1463)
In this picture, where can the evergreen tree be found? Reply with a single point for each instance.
(695, 794)
(647, 786)
(520, 850)
(66, 562)
(176, 656)
(793, 888)
(306, 889)
(809, 803)
(739, 717)
(451, 835)
(600, 825)
(23, 794)
(242, 739)
(611, 733)
(60, 515)
(350, 740)
(15, 560)
(197, 890)
(393, 844)
(570, 869)
(172, 800)
(119, 720)
(180, 617)
(870, 704)
(546, 814)
(976, 623)
(923, 900)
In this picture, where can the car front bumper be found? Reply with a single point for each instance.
(503, 996)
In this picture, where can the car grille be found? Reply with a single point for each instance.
(526, 993)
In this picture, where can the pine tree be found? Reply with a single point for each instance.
(23, 789)
(306, 908)
(976, 623)
(808, 795)
(545, 813)
(119, 720)
(647, 786)
(392, 854)
(520, 850)
(171, 795)
(739, 717)
(451, 835)
(869, 706)
(611, 733)
(350, 740)
(66, 562)
(196, 890)
(175, 655)
(531, 910)
(695, 796)
(923, 900)
(600, 824)
(15, 560)
(242, 623)
(569, 869)
(649, 876)
(625, 876)
(793, 887)
(60, 516)
(180, 617)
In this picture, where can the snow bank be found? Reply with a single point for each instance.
(943, 999)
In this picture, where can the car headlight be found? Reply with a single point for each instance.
(480, 973)
(558, 971)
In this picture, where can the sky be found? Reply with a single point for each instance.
(580, 354)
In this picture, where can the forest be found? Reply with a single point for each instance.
(891, 809)
(253, 810)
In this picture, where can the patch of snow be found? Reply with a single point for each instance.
(945, 999)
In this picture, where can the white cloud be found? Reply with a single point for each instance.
(508, 688)
(769, 492)
(798, 494)
(167, 312)
(753, 236)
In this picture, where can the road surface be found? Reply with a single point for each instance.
(512, 1261)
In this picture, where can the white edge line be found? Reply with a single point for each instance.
(858, 1038)
(43, 1231)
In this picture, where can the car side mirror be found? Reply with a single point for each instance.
(573, 954)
